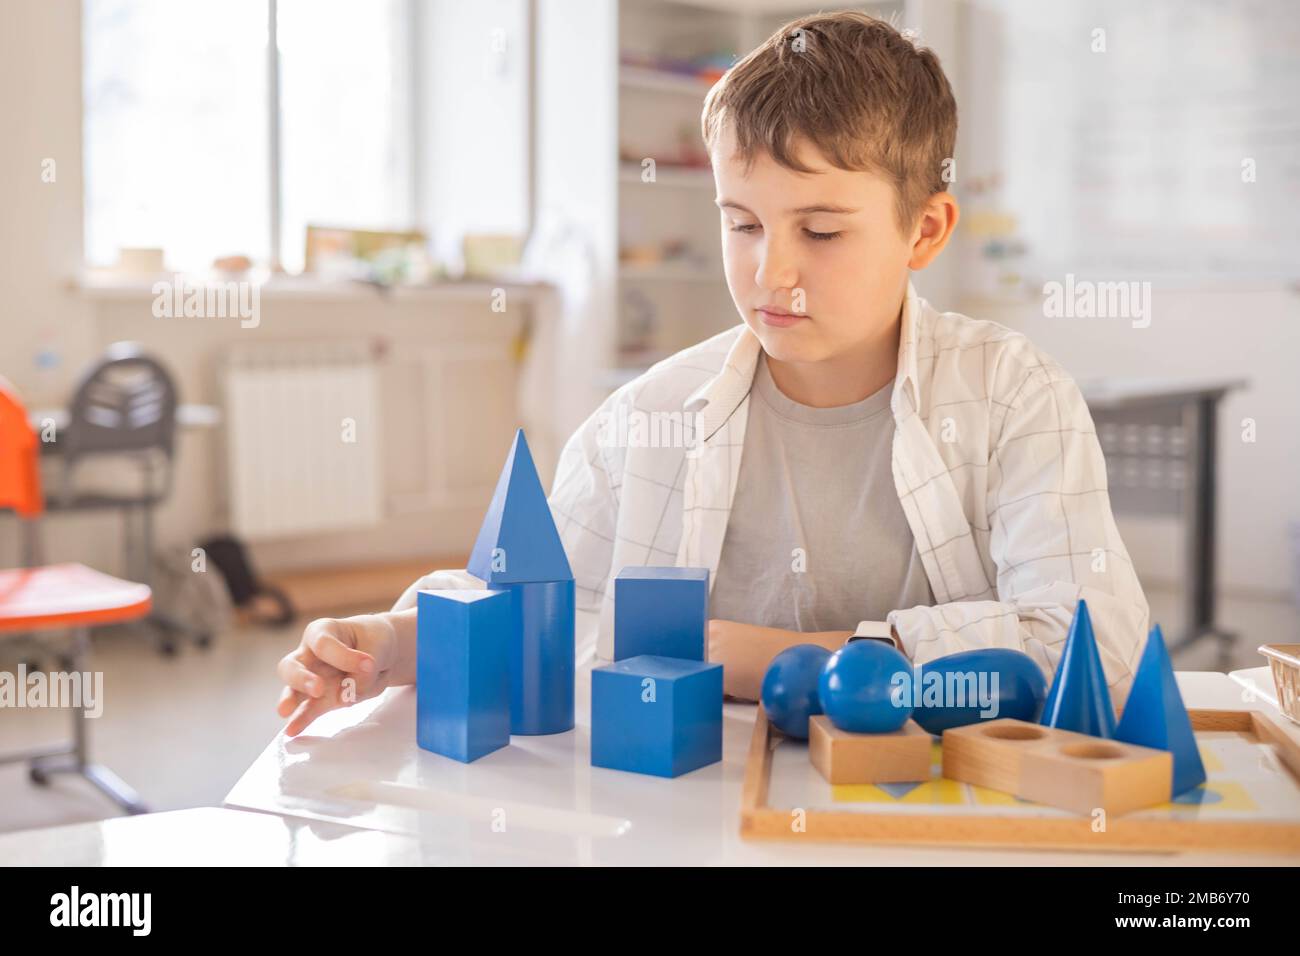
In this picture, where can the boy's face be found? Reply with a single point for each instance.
(815, 262)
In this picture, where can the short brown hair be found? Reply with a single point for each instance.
(855, 88)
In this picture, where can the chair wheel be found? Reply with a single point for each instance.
(38, 776)
(32, 664)
(66, 664)
(167, 648)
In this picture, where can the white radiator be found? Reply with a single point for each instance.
(304, 437)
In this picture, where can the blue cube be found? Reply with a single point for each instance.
(661, 611)
(656, 715)
(462, 676)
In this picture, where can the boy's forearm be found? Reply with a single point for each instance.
(745, 651)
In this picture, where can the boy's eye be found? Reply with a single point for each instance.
(821, 236)
(744, 227)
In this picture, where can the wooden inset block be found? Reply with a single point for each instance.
(842, 757)
(1082, 775)
(1059, 768)
(989, 754)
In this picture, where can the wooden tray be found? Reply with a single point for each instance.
(1006, 822)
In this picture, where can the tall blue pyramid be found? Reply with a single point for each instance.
(1154, 715)
(518, 542)
(1079, 699)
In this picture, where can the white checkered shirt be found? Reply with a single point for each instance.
(995, 461)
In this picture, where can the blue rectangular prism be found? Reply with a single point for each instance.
(661, 611)
(462, 676)
(656, 715)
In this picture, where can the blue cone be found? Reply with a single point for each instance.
(1079, 700)
(1154, 715)
(518, 542)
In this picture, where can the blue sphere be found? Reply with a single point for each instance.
(859, 691)
(790, 688)
(982, 684)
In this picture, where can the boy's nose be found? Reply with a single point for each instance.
(776, 268)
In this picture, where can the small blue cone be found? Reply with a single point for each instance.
(1079, 700)
(518, 542)
(1154, 715)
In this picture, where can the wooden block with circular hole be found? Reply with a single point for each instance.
(1059, 768)
(902, 756)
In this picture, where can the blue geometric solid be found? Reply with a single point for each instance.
(661, 611)
(656, 715)
(518, 541)
(541, 657)
(1154, 715)
(1021, 688)
(1079, 699)
(462, 681)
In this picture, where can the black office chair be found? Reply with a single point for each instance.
(124, 407)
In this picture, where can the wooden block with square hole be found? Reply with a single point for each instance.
(902, 756)
(1059, 768)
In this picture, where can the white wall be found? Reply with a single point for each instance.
(472, 69)
(575, 182)
(41, 227)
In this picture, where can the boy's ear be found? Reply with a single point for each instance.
(933, 229)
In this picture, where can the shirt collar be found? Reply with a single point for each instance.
(720, 396)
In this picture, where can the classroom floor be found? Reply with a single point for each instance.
(182, 730)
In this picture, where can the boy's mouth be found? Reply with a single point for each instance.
(778, 318)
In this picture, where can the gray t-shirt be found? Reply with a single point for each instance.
(817, 540)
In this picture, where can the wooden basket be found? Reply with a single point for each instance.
(1284, 661)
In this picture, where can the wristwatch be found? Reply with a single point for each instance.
(873, 631)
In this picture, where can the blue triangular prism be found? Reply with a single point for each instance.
(898, 790)
(1079, 700)
(1154, 715)
(518, 542)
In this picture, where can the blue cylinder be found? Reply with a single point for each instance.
(541, 657)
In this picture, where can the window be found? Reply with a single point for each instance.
(344, 108)
(175, 129)
(181, 123)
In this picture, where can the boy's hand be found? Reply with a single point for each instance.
(361, 650)
(745, 651)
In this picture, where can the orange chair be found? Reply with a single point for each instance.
(58, 597)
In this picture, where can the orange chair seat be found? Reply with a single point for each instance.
(66, 596)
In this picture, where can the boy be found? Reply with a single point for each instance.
(860, 464)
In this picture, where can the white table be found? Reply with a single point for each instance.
(205, 836)
(540, 800)
(358, 791)
(1258, 682)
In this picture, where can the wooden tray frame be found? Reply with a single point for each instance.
(758, 821)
